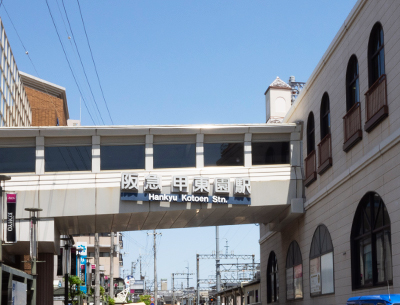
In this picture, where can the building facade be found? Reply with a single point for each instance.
(347, 242)
(15, 109)
(48, 101)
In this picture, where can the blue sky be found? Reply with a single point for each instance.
(175, 62)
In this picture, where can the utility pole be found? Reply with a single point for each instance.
(173, 289)
(155, 265)
(217, 264)
(33, 212)
(97, 270)
(140, 266)
(112, 265)
(188, 276)
(88, 276)
(254, 269)
(198, 280)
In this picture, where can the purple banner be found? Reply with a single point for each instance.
(11, 209)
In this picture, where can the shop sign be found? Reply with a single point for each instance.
(180, 187)
(11, 208)
(81, 263)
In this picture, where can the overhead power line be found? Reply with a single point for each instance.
(80, 59)
(94, 63)
(69, 64)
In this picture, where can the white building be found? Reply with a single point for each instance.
(14, 106)
(347, 243)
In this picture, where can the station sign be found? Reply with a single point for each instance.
(181, 191)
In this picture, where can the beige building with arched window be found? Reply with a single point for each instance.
(347, 243)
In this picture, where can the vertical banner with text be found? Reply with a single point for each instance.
(81, 264)
(11, 208)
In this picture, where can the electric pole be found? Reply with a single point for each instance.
(140, 266)
(218, 272)
(112, 266)
(155, 265)
(97, 270)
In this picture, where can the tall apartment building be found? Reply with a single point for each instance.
(15, 109)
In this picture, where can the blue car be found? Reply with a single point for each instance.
(380, 299)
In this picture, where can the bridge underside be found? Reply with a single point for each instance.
(198, 215)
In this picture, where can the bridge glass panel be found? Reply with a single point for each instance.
(17, 159)
(223, 154)
(174, 155)
(68, 158)
(270, 153)
(121, 157)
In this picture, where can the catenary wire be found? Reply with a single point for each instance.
(80, 59)
(94, 63)
(73, 50)
(95, 109)
(69, 64)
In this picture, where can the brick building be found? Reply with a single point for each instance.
(48, 101)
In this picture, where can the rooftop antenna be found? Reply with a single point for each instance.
(388, 290)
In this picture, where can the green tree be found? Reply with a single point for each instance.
(102, 293)
(74, 288)
(145, 299)
(111, 301)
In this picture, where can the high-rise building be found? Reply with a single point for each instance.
(15, 109)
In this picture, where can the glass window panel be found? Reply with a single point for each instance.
(122, 157)
(223, 154)
(367, 218)
(327, 273)
(365, 261)
(174, 155)
(68, 158)
(298, 281)
(297, 254)
(315, 276)
(270, 153)
(380, 257)
(17, 159)
(383, 256)
(388, 255)
(289, 284)
(379, 216)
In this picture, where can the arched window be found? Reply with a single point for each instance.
(272, 279)
(321, 262)
(352, 83)
(310, 133)
(325, 116)
(294, 272)
(376, 54)
(371, 252)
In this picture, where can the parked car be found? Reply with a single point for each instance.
(380, 299)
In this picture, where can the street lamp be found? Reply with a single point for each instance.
(33, 212)
(66, 255)
(88, 277)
